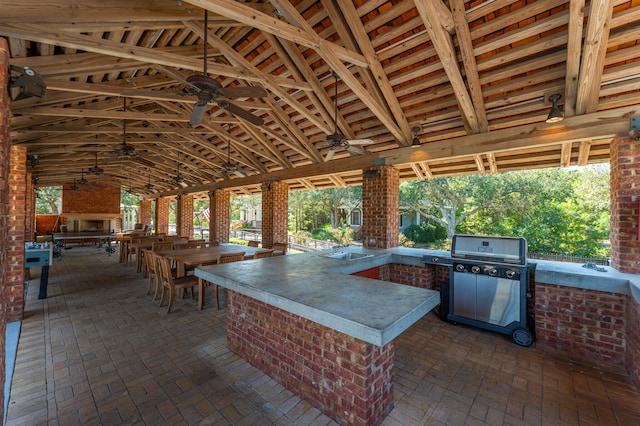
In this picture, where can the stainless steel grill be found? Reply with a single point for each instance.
(487, 284)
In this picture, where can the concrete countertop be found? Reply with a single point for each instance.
(320, 289)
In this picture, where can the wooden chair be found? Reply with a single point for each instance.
(263, 253)
(224, 258)
(253, 243)
(280, 248)
(171, 284)
(150, 265)
(162, 246)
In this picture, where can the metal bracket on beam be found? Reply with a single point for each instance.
(379, 162)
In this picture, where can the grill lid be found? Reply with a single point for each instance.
(493, 249)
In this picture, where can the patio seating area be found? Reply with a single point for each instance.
(100, 351)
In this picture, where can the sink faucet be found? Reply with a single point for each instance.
(339, 246)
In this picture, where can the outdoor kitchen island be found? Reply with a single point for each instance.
(326, 335)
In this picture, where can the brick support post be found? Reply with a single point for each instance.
(184, 209)
(625, 204)
(162, 216)
(17, 229)
(144, 212)
(5, 146)
(275, 214)
(220, 215)
(381, 207)
(30, 212)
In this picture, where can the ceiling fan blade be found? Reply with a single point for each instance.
(198, 114)
(330, 155)
(239, 112)
(359, 141)
(110, 159)
(356, 149)
(243, 92)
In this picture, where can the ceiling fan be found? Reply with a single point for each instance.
(95, 170)
(177, 178)
(228, 166)
(82, 180)
(208, 90)
(123, 150)
(337, 140)
(148, 186)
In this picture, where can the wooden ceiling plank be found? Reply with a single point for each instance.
(593, 56)
(444, 46)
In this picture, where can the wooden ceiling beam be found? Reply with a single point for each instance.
(574, 50)
(593, 56)
(444, 47)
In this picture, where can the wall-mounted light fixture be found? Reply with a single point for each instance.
(555, 115)
(415, 143)
(211, 194)
(265, 186)
(372, 174)
(25, 84)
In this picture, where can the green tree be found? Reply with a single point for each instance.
(48, 200)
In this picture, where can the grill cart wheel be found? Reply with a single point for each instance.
(522, 337)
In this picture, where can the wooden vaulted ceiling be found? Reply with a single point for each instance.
(473, 76)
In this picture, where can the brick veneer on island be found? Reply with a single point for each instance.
(324, 334)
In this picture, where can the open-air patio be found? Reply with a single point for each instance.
(98, 351)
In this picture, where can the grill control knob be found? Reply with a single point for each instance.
(460, 267)
(511, 274)
(493, 272)
(475, 269)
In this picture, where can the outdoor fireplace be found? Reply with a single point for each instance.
(91, 223)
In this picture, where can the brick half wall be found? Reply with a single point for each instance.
(348, 379)
(587, 323)
(633, 339)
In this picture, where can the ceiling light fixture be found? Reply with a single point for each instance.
(415, 143)
(555, 115)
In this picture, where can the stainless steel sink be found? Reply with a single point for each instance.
(349, 256)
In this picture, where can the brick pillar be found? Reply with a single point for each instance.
(220, 215)
(144, 212)
(381, 208)
(625, 204)
(17, 228)
(30, 213)
(275, 213)
(162, 216)
(184, 219)
(5, 146)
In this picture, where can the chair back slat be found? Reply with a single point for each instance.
(231, 257)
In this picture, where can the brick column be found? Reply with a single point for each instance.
(162, 216)
(144, 212)
(625, 204)
(17, 228)
(30, 212)
(5, 146)
(275, 213)
(220, 215)
(184, 219)
(381, 207)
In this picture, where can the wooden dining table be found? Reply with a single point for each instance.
(204, 256)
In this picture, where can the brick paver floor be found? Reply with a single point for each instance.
(99, 351)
